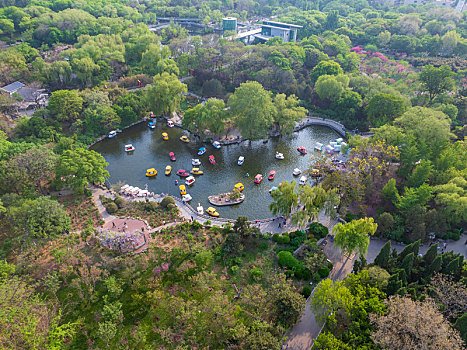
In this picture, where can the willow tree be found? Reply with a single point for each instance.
(285, 199)
(354, 236)
(313, 201)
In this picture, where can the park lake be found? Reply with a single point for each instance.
(153, 152)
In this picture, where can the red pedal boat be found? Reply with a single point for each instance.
(212, 160)
(258, 179)
(302, 150)
(272, 174)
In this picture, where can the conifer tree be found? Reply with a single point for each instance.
(382, 259)
(407, 263)
(435, 266)
(430, 254)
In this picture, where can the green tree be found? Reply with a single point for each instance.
(289, 306)
(41, 218)
(421, 173)
(78, 167)
(210, 115)
(383, 108)
(435, 81)
(65, 105)
(285, 199)
(327, 341)
(382, 259)
(165, 95)
(326, 68)
(329, 88)
(331, 297)
(252, 109)
(431, 254)
(407, 263)
(287, 112)
(242, 226)
(461, 326)
(354, 236)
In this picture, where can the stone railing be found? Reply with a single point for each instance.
(341, 129)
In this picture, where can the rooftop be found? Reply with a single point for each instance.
(281, 24)
(13, 87)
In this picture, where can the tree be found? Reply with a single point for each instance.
(65, 105)
(327, 341)
(78, 167)
(289, 306)
(428, 140)
(328, 88)
(210, 115)
(285, 199)
(450, 295)
(431, 254)
(383, 108)
(326, 68)
(354, 236)
(242, 226)
(407, 263)
(252, 109)
(414, 325)
(435, 81)
(461, 326)
(262, 340)
(314, 200)
(165, 95)
(41, 218)
(382, 259)
(329, 298)
(287, 112)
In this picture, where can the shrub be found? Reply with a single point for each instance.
(256, 273)
(150, 206)
(111, 208)
(306, 292)
(281, 239)
(319, 230)
(120, 202)
(303, 274)
(349, 217)
(323, 272)
(166, 201)
(286, 259)
(330, 266)
(454, 235)
(316, 277)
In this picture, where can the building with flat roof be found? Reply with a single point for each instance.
(271, 29)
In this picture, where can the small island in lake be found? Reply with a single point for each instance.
(229, 198)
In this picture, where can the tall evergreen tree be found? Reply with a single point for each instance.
(435, 266)
(407, 263)
(430, 254)
(382, 259)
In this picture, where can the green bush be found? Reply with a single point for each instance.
(319, 230)
(120, 202)
(323, 272)
(306, 292)
(281, 239)
(256, 273)
(349, 217)
(303, 274)
(316, 277)
(330, 266)
(287, 259)
(166, 201)
(454, 235)
(111, 208)
(150, 206)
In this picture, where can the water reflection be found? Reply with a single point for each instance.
(151, 151)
